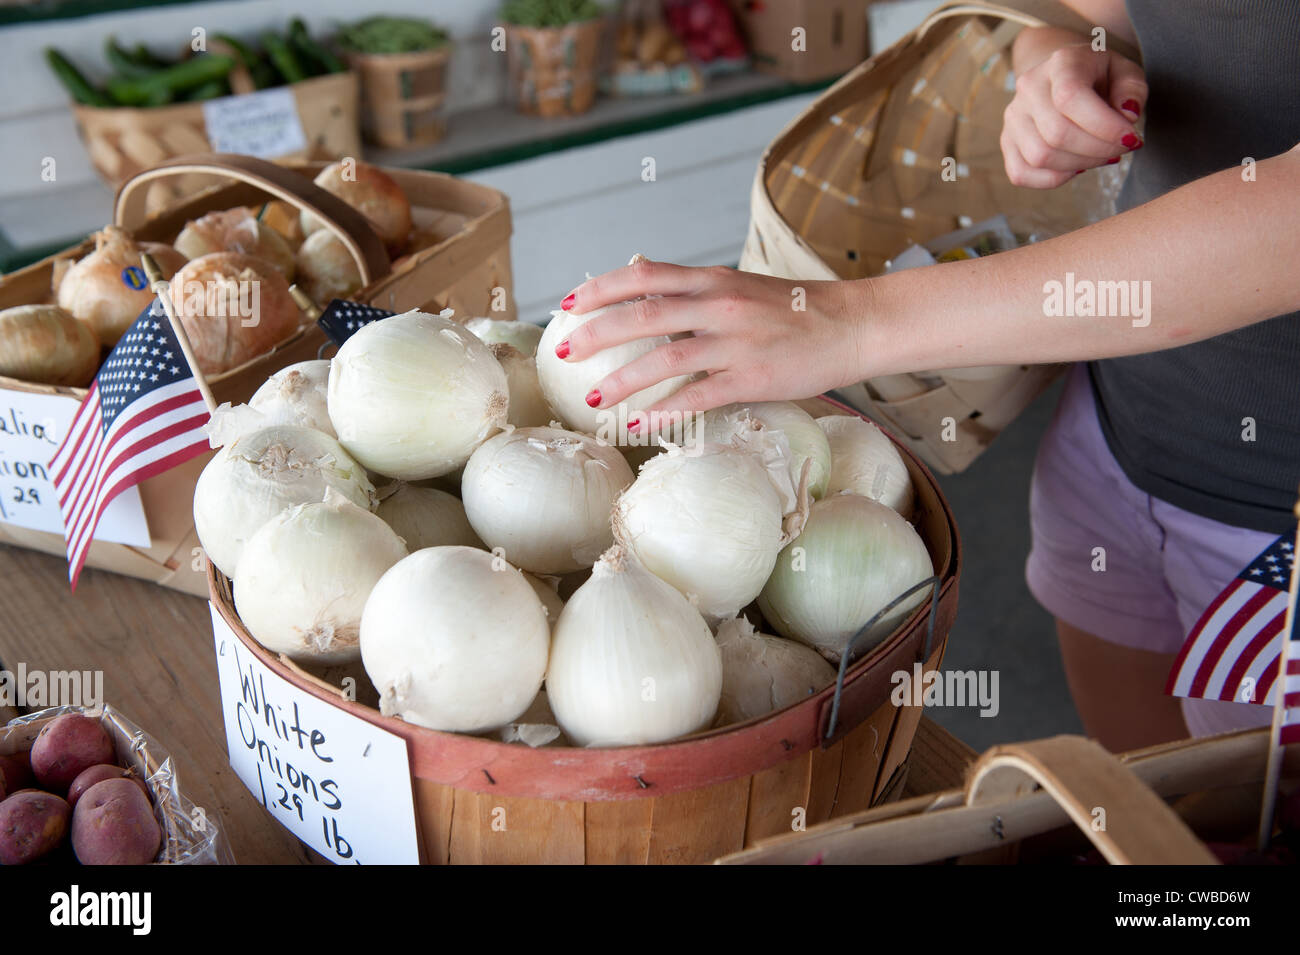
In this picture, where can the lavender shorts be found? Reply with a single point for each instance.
(1163, 565)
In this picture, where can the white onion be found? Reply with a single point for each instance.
(426, 517)
(543, 495)
(632, 661)
(567, 383)
(528, 406)
(864, 461)
(807, 441)
(261, 473)
(536, 727)
(522, 335)
(853, 557)
(304, 577)
(413, 395)
(296, 395)
(708, 520)
(454, 639)
(762, 673)
(552, 602)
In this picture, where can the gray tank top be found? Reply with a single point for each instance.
(1224, 79)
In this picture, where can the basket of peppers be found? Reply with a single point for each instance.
(151, 108)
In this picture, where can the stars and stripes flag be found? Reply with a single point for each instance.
(144, 415)
(1234, 651)
(342, 319)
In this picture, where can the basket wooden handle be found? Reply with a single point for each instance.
(1125, 820)
(348, 225)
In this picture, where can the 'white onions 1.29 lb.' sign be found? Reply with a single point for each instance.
(31, 427)
(338, 783)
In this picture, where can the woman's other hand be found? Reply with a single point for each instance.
(1074, 108)
(758, 338)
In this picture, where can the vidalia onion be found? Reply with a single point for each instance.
(234, 308)
(326, 269)
(46, 345)
(370, 191)
(108, 288)
(235, 230)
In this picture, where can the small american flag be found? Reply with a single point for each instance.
(1290, 730)
(144, 415)
(1235, 648)
(342, 319)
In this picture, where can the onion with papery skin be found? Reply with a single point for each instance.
(326, 269)
(709, 521)
(44, 344)
(864, 461)
(762, 673)
(552, 602)
(234, 308)
(528, 406)
(413, 395)
(305, 575)
(455, 639)
(566, 384)
(370, 191)
(544, 495)
(108, 289)
(632, 662)
(426, 517)
(296, 395)
(807, 441)
(536, 727)
(235, 230)
(522, 335)
(853, 557)
(257, 476)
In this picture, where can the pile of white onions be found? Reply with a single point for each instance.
(451, 596)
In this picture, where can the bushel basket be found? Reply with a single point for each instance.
(468, 261)
(686, 801)
(902, 150)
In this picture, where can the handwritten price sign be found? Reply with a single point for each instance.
(335, 781)
(31, 427)
(261, 124)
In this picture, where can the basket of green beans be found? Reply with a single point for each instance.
(402, 63)
(553, 48)
(147, 106)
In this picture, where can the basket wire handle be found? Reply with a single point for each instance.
(933, 584)
(978, 9)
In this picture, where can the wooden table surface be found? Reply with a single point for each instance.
(154, 647)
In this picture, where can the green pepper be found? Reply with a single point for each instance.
(312, 52)
(73, 81)
(283, 57)
(182, 77)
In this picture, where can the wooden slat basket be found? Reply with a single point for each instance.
(463, 269)
(686, 801)
(1038, 800)
(860, 175)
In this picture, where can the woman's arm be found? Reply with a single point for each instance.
(1209, 257)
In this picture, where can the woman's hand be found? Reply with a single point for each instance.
(1073, 110)
(758, 338)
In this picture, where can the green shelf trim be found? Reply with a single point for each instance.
(70, 9)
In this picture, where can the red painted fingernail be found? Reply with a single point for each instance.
(1111, 162)
(593, 397)
(568, 301)
(1131, 142)
(1131, 106)
(562, 349)
(634, 426)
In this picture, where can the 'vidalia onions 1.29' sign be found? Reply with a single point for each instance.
(338, 783)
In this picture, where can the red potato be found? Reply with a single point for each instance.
(114, 824)
(97, 774)
(16, 771)
(32, 824)
(66, 746)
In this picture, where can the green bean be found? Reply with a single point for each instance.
(314, 53)
(180, 78)
(73, 81)
(283, 58)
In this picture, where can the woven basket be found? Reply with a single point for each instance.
(124, 141)
(553, 70)
(466, 267)
(859, 176)
(402, 95)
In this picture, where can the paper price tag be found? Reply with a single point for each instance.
(263, 124)
(335, 781)
(31, 428)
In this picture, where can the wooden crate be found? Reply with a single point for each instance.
(685, 801)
